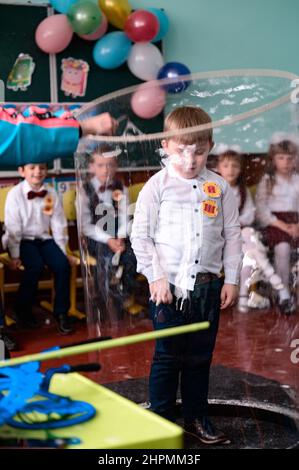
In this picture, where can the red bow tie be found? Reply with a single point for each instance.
(104, 188)
(33, 194)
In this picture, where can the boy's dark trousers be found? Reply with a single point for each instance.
(186, 356)
(35, 254)
(105, 270)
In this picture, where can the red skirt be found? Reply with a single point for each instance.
(273, 235)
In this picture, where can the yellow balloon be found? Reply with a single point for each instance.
(116, 11)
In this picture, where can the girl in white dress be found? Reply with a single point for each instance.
(256, 265)
(277, 208)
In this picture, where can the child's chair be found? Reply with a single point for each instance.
(134, 190)
(68, 200)
(4, 257)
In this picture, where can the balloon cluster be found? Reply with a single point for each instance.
(134, 44)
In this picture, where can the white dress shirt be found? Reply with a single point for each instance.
(25, 219)
(248, 212)
(172, 235)
(283, 198)
(95, 231)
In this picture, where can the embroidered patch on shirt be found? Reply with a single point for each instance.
(48, 205)
(210, 208)
(211, 189)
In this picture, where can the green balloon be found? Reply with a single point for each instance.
(85, 17)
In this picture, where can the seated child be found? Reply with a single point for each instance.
(103, 208)
(255, 261)
(277, 209)
(30, 212)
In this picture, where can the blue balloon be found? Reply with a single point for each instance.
(62, 5)
(173, 70)
(163, 23)
(112, 50)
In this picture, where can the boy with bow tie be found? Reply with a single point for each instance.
(103, 207)
(31, 211)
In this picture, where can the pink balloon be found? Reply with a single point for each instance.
(148, 100)
(53, 34)
(99, 32)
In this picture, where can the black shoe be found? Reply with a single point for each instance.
(203, 430)
(64, 325)
(10, 343)
(286, 307)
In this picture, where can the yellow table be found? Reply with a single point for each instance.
(118, 424)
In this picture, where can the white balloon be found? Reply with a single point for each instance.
(145, 61)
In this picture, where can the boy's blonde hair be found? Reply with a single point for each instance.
(185, 117)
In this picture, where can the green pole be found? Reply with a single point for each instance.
(101, 345)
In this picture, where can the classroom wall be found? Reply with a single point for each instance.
(210, 35)
(223, 34)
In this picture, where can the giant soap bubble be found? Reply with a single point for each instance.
(255, 359)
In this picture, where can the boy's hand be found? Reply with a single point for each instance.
(229, 295)
(160, 292)
(15, 263)
(103, 124)
(116, 245)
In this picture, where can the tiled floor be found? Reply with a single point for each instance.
(258, 342)
(252, 372)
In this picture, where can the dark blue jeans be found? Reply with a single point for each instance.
(105, 270)
(35, 254)
(185, 358)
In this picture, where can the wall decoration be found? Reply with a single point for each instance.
(74, 77)
(20, 75)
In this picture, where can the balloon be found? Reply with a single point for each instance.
(117, 11)
(145, 60)
(163, 23)
(62, 5)
(99, 32)
(141, 26)
(53, 34)
(173, 70)
(148, 100)
(85, 17)
(112, 50)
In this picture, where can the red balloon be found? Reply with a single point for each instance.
(141, 26)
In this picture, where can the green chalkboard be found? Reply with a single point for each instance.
(18, 25)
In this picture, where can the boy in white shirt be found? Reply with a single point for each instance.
(31, 211)
(103, 205)
(185, 233)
